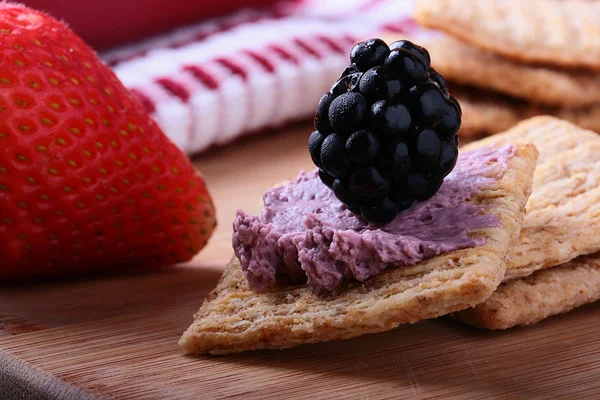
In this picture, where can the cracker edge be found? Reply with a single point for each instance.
(543, 294)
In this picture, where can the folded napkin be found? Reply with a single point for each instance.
(210, 83)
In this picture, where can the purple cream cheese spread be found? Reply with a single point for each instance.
(307, 235)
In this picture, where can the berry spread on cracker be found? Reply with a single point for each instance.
(387, 191)
(88, 181)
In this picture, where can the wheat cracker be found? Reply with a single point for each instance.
(234, 318)
(563, 33)
(486, 113)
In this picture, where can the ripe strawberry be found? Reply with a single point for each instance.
(88, 182)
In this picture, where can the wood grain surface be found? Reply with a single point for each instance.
(116, 337)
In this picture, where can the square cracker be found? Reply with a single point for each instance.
(545, 293)
(563, 212)
(563, 33)
(486, 113)
(234, 318)
(482, 69)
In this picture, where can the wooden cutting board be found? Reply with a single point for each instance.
(116, 337)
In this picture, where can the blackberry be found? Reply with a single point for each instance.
(426, 152)
(315, 141)
(322, 114)
(439, 81)
(395, 162)
(431, 105)
(350, 69)
(379, 211)
(390, 118)
(456, 104)
(368, 182)
(369, 53)
(376, 84)
(343, 191)
(448, 157)
(347, 112)
(333, 155)
(402, 63)
(416, 184)
(417, 50)
(386, 132)
(327, 179)
(346, 83)
(362, 147)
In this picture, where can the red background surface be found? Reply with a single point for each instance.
(106, 23)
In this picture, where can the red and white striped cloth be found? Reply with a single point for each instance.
(213, 82)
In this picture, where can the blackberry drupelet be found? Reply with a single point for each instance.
(386, 132)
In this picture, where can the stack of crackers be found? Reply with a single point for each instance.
(509, 60)
(554, 266)
(542, 260)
